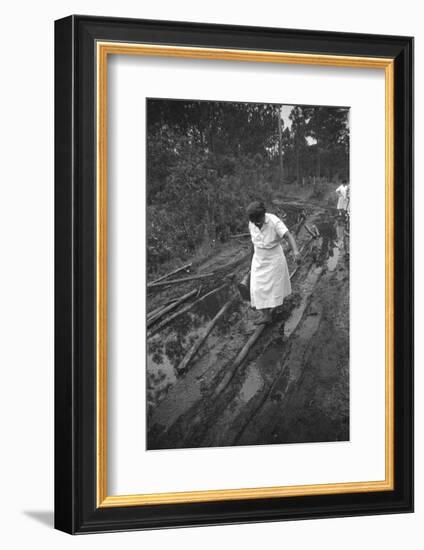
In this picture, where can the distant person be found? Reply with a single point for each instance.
(343, 195)
(342, 212)
(269, 276)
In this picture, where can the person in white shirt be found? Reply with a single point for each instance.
(269, 276)
(342, 212)
(343, 194)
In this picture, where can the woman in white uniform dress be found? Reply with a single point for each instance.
(343, 196)
(269, 276)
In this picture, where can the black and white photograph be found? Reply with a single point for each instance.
(209, 275)
(248, 208)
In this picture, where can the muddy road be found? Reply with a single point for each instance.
(291, 385)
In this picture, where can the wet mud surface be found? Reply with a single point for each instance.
(292, 386)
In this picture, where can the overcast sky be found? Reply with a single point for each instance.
(285, 112)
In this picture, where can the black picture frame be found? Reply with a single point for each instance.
(76, 510)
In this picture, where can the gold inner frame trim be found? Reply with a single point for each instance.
(103, 50)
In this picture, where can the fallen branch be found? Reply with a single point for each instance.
(183, 280)
(245, 349)
(239, 359)
(305, 244)
(293, 273)
(153, 318)
(300, 223)
(310, 231)
(316, 230)
(217, 271)
(184, 267)
(196, 346)
(156, 310)
(182, 311)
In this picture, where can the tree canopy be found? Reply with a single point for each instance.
(207, 159)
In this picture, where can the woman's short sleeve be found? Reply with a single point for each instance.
(280, 228)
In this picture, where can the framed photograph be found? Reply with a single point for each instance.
(234, 274)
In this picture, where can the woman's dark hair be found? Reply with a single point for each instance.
(255, 210)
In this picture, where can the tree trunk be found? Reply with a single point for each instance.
(297, 166)
(319, 163)
(280, 144)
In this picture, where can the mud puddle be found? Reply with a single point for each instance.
(167, 348)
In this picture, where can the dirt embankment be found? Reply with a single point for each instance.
(293, 385)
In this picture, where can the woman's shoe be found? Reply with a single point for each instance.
(264, 320)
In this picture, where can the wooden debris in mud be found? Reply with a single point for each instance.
(152, 313)
(153, 318)
(217, 271)
(310, 231)
(196, 346)
(304, 245)
(239, 359)
(182, 268)
(293, 273)
(316, 230)
(299, 224)
(183, 280)
(184, 310)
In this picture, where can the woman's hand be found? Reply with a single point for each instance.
(297, 257)
(293, 245)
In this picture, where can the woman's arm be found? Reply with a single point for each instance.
(284, 233)
(293, 246)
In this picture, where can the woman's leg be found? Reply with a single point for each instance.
(266, 316)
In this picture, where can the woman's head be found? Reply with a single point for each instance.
(256, 212)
